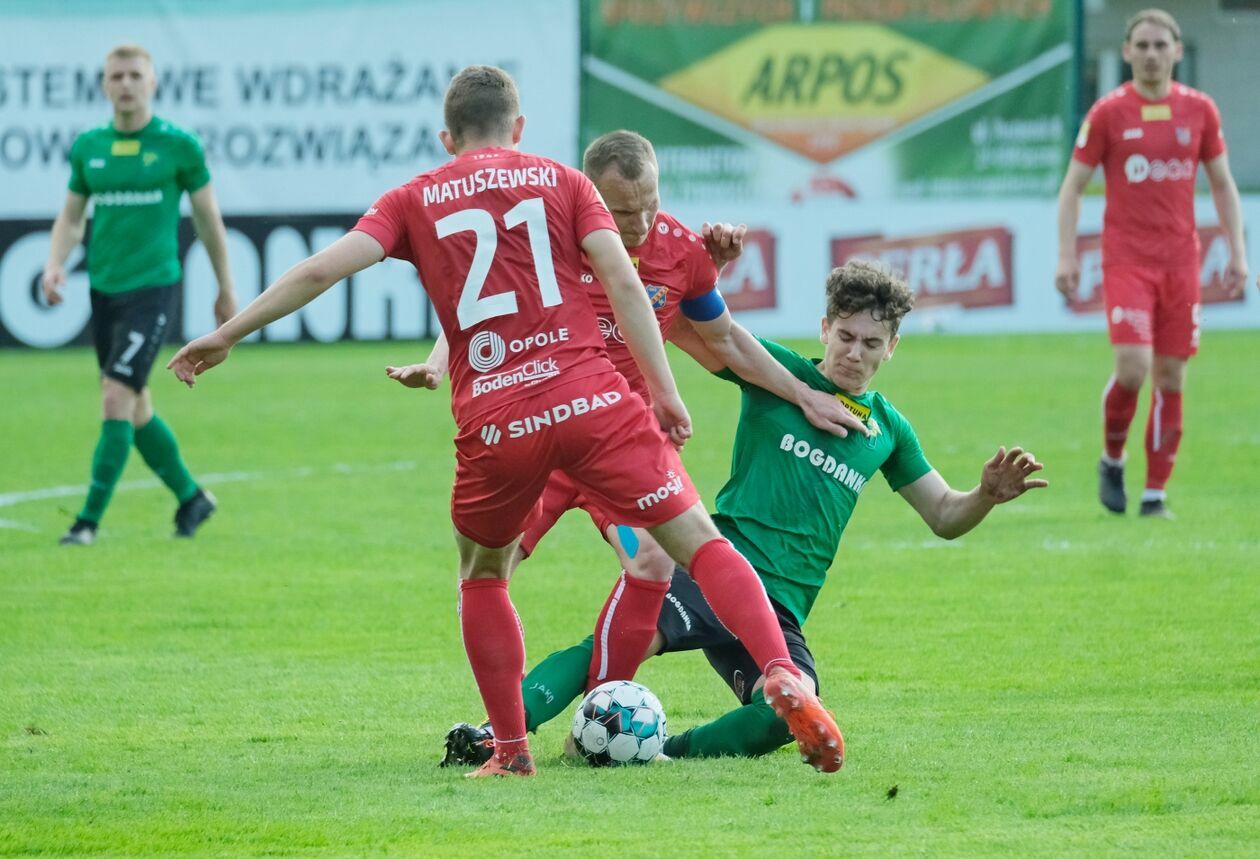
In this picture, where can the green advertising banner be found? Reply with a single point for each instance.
(798, 99)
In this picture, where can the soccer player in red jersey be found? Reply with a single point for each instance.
(497, 237)
(679, 271)
(1150, 136)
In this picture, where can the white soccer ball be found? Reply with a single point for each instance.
(620, 722)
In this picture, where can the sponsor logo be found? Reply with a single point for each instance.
(1135, 318)
(370, 212)
(1156, 112)
(748, 282)
(149, 159)
(681, 609)
(970, 268)
(739, 684)
(1132, 134)
(1138, 169)
(125, 147)
(128, 198)
(1183, 136)
(530, 373)
(824, 462)
(673, 485)
(657, 295)
(609, 329)
(491, 434)
(487, 350)
(558, 414)
(1082, 136)
(855, 408)
(96, 163)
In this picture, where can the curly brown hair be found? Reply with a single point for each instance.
(860, 285)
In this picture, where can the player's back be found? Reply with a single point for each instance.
(495, 235)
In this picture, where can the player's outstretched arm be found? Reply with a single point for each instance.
(429, 374)
(634, 316)
(297, 287)
(731, 343)
(1067, 274)
(1229, 212)
(208, 224)
(67, 232)
(951, 514)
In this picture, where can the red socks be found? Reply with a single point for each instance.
(495, 645)
(1119, 404)
(1163, 436)
(740, 602)
(625, 628)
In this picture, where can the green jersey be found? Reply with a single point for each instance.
(135, 180)
(793, 487)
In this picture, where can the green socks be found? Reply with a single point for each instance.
(746, 732)
(160, 450)
(555, 682)
(108, 461)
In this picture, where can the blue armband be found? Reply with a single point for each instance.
(704, 308)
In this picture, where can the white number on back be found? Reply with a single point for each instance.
(474, 308)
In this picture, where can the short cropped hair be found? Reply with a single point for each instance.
(629, 151)
(481, 102)
(860, 285)
(1158, 17)
(129, 52)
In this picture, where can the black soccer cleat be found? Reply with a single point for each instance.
(468, 746)
(1111, 487)
(1155, 509)
(81, 533)
(193, 512)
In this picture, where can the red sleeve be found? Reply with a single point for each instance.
(1091, 142)
(589, 212)
(1212, 143)
(386, 222)
(704, 273)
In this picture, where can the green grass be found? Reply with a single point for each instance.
(1060, 681)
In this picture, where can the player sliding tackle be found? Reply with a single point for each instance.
(497, 237)
(679, 270)
(785, 506)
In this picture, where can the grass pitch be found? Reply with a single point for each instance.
(1060, 681)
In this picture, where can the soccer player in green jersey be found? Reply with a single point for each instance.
(785, 506)
(135, 168)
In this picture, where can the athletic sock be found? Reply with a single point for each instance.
(160, 450)
(108, 462)
(744, 732)
(1119, 406)
(555, 682)
(739, 600)
(495, 644)
(1163, 437)
(625, 628)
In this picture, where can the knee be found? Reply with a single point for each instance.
(118, 402)
(1170, 375)
(651, 562)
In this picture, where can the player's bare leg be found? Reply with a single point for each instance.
(739, 600)
(1132, 366)
(1163, 432)
(495, 645)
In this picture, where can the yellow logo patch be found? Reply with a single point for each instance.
(858, 410)
(125, 147)
(824, 89)
(1154, 112)
(1083, 137)
(634, 261)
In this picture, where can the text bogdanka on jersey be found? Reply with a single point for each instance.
(489, 178)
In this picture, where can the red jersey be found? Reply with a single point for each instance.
(674, 267)
(495, 235)
(1150, 152)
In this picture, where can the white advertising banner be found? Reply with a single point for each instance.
(307, 112)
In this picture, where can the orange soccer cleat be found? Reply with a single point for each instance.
(518, 763)
(817, 736)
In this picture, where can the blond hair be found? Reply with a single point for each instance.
(129, 52)
(1158, 17)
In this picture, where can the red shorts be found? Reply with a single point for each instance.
(593, 429)
(560, 496)
(1150, 306)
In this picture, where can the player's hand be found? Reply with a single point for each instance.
(52, 281)
(828, 413)
(224, 306)
(416, 376)
(1235, 277)
(1005, 476)
(673, 416)
(198, 356)
(723, 242)
(1067, 278)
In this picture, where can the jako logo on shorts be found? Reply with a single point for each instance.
(825, 463)
(673, 486)
(557, 414)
